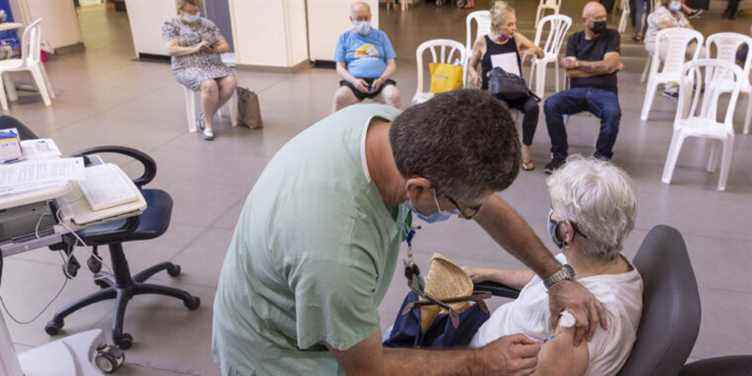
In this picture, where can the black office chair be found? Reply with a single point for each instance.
(739, 365)
(120, 284)
(671, 305)
(9, 122)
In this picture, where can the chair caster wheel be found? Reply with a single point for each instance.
(124, 341)
(174, 270)
(193, 304)
(53, 327)
(109, 358)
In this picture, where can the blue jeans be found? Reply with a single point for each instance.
(603, 104)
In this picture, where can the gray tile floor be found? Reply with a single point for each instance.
(104, 97)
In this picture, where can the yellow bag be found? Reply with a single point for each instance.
(445, 77)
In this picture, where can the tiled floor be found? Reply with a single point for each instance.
(104, 97)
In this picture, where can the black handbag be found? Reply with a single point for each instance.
(507, 86)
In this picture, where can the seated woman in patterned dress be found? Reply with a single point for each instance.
(196, 44)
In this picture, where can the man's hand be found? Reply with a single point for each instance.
(587, 310)
(569, 62)
(514, 355)
(376, 85)
(361, 85)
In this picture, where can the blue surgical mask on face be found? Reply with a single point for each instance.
(190, 18)
(674, 6)
(553, 227)
(362, 27)
(438, 216)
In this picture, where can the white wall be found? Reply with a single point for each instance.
(269, 33)
(146, 18)
(327, 19)
(60, 26)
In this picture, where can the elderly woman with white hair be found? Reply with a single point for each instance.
(196, 46)
(593, 212)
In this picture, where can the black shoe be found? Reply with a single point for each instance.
(554, 165)
(671, 94)
(601, 158)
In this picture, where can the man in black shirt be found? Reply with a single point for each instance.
(592, 60)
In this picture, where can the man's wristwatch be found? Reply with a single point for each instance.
(565, 273)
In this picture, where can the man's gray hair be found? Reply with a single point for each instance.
(356, 4)
(598, 197)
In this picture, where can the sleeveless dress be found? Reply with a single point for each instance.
(503, 55)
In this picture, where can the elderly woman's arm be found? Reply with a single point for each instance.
(473, 65)
(527, 47)
(516, 279)
(174, 48)
(560, 357)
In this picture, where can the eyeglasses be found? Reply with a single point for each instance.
(468, 212)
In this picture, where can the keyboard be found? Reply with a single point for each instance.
(107, 186)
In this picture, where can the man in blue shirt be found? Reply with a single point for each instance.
(365, 61)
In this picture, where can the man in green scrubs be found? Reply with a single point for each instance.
(318, 240)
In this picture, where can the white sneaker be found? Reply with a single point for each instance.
(208, 134)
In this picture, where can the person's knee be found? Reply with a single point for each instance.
(230, 83)
(209, 87)
(392, 95)
(344, 96)
(551, 105)
(532, 108)
(611, 116)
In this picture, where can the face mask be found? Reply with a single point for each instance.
(674, 6)
(599, 27)
(362, 27)
(438, 216)
(190, 18)
(501, 38)
(552, 227)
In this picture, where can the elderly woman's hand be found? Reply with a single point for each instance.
(479, 274)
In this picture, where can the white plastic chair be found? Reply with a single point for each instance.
(482, 19)
(553, 5)
(624, 18)
(725, 46)
(193, 109)
(558, 25)
(701, 84)
(31, 60)
(442, 51)
(662, 71)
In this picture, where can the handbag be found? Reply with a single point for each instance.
(507, 86)
(249, 109)
(445, 77)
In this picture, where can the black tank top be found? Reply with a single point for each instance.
(493, 48)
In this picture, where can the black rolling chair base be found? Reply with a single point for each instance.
(122, 287)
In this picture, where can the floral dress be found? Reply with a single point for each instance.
(191, 70)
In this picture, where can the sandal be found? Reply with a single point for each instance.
(528, 165)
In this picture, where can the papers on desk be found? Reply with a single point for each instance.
(9, 145)
(43, 148)
(24, 176)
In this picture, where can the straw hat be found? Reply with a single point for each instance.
(445, 280)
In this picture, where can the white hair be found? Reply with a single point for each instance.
(598, 197)
(499, 12)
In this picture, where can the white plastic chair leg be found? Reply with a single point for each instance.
(10, 88)
(41, 83)
(673, 155)
(47, 81)
(646, 71)
(748, 117)
(540, 80)
(556, 69)
(649, 97)
(190, 109)
(232, 105)
(3, 97)
(712, 156)
(728, 151)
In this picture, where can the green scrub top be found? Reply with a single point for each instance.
(312, 256)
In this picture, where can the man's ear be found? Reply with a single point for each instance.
(416, 186)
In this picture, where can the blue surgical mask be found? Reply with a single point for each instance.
(674, 6)
(362, 27)
(190, 18)
(553, 227)
(438, 216)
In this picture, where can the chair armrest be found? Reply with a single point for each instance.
(150, 166)
(496, 289)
